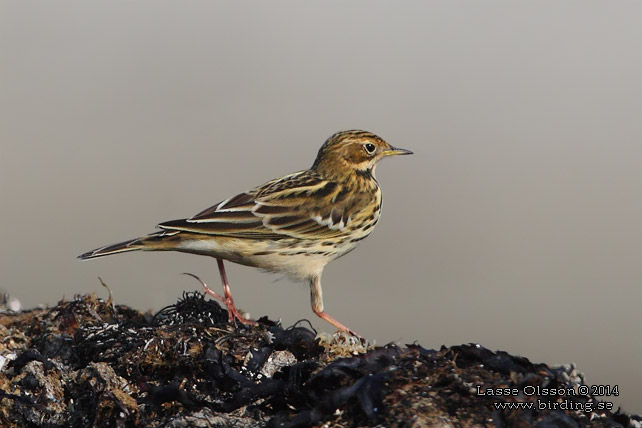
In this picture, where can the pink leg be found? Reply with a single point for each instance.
(317, 306)
(227, 300)
(233, 313)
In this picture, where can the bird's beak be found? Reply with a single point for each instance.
(393, 151)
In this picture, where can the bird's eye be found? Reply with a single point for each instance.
(370, 148)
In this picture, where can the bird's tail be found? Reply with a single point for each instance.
(121, 247)
(155, 241)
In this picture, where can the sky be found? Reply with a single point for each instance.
(517, 223)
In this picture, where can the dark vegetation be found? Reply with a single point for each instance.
(87, 362)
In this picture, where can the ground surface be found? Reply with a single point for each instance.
(86, 363)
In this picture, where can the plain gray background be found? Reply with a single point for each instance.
(517, 224)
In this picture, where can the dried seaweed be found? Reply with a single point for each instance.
(86, 362)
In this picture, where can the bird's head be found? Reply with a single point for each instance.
(353, 151)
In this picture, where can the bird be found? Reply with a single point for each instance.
(294, 225)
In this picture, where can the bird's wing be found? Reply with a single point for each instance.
(301, 205)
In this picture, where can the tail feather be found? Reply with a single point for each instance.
(159, 241)
(121, 247)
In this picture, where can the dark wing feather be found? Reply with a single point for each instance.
(301, 205)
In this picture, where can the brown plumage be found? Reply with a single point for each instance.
(295, 224)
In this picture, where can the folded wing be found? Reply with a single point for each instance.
(300, 205)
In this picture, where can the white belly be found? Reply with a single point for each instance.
(298, 259)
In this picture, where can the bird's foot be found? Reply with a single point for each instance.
(337, 324)
(233, 314)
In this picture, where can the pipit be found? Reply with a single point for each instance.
(294, 225)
